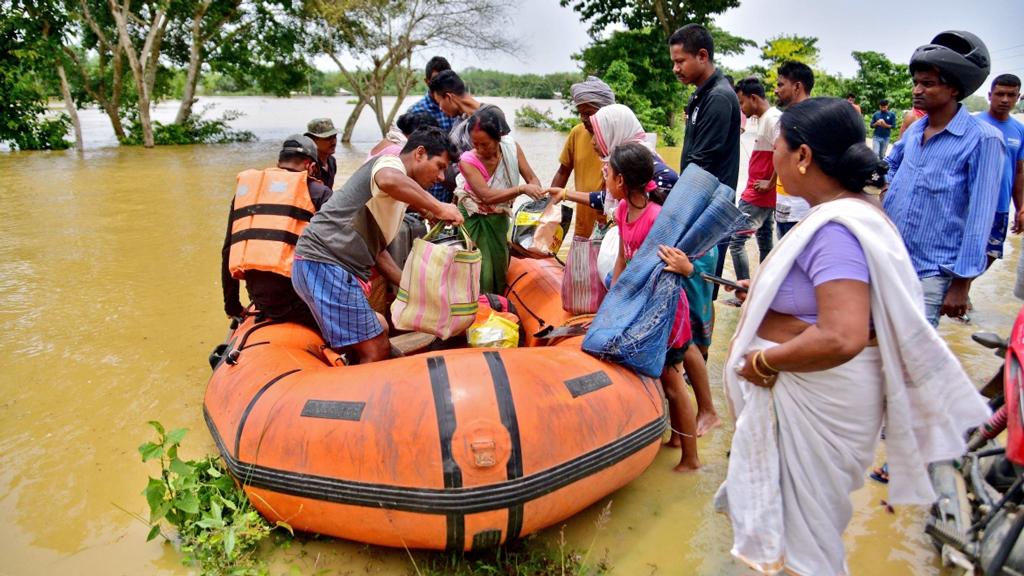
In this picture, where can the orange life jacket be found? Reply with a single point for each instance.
(272, 208)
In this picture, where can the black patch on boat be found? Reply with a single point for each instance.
(486, 539)
(441, 388)
(587, 383)
(334, 410)
(507, 411)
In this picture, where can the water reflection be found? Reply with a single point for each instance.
(110, 303)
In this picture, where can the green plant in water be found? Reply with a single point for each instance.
(529, 117)
(218, 529)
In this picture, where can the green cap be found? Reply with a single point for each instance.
(301, 144)
(321, 128)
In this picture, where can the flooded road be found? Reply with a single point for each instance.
(110, 303)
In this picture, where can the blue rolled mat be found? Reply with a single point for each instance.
(633, 323)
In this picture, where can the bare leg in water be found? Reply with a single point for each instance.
(697, 369)
(681, 416)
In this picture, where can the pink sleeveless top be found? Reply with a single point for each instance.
(632, 235)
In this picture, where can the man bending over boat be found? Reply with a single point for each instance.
(336, 252)
(270, 207)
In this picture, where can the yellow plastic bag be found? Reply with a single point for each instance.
(496, 331)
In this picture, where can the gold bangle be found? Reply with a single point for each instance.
(753, 365)
(764, 360)
(563, 195)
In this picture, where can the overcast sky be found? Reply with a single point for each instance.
(550, 34)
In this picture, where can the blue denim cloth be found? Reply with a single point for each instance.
(633, 323)
(760, 220)
(880, 145)
(784, 227)
(935, 288)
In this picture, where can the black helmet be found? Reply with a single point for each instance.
(961, 57)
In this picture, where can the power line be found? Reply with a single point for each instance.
(1007, 48)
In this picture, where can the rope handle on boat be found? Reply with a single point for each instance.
(232, 357)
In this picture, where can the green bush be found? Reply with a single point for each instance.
(529, 117)
(218, 529)
(194, 130)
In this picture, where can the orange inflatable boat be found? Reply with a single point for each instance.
(455, 449)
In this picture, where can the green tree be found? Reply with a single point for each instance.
(785, 48)
(877, 78)
(25, 58)
(665, 15)
(386, 34)
(643, 45)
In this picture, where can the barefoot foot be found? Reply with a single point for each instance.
(687, 465)
(707, 422)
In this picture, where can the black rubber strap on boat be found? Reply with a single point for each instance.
(272, 210)
(265, 234)
(441, 387)
(255, 399)
(511, 289)
(509, 419)
(440, 501)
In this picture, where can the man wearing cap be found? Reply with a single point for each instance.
(325, 136)
(269, 210)
(945, 172)
(578, 154)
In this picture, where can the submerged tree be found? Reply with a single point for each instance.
(259, 39)
(387, 33)
(26, 54)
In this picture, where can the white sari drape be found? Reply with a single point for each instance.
(801, 447)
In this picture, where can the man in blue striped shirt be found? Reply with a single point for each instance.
(427, 104)
(945, 174)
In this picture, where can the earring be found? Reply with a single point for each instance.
(802, 169)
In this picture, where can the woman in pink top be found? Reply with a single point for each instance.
(630, 169)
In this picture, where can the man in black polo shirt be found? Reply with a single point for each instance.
(712, 141)
(712, 137)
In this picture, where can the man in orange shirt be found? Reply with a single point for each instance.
(578, 155)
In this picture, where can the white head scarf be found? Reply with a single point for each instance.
(616, 124)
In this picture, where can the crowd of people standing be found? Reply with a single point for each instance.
(861, 252)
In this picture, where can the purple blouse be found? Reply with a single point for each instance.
(832, 254)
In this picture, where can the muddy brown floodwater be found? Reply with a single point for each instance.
(110, 303)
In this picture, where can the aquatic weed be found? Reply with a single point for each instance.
(218, 529)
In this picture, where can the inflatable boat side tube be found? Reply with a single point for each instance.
(433, 501)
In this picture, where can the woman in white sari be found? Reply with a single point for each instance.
(488, 183)
(832, 344)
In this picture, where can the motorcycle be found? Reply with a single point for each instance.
(977, 521)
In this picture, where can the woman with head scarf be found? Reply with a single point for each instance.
(488, 183)
(615, 125)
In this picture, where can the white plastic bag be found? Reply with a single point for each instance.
(608, 254)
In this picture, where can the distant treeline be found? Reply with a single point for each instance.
(480, 82)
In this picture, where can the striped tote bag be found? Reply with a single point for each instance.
(582, 286)
(440, 287)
